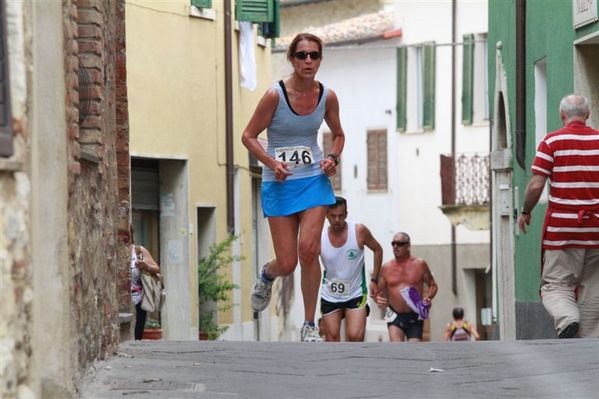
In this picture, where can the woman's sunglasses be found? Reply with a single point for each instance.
(302, 55)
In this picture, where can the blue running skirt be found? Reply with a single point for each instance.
(292, 196)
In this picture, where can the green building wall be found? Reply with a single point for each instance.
(549, 33)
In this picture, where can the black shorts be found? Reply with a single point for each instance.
(409, 324)
(359, 302)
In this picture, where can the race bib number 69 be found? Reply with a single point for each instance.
(295, 157)
(339, 288)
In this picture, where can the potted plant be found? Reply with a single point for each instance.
(152, 329)
(214, 287)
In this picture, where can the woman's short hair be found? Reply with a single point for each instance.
(298, 38)
(458, 313)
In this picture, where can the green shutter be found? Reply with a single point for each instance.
(428, 117)
(402, 63)
(202, 3)
(270, 30)
(467, 78)
(255, 10)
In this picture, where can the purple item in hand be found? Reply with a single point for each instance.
(414, 301)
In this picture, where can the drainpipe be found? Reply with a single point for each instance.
(454, 255)
(229, 120)
(520, 82)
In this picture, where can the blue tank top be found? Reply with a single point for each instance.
(288, 129)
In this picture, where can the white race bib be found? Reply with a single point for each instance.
(390, 315)
(295, 157)
(339, 288)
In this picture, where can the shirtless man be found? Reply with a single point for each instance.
(401, 288)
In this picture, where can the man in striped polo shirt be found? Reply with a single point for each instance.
(569, 157)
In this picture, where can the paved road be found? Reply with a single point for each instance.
(493, 369)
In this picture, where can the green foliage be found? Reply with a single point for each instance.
(152, 324)
(213, 286)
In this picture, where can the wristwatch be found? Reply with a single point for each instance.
(374, 280)
(523, 212)
(334, 157)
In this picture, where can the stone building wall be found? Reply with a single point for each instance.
(296, 18)
(15, 266)
(88, 287)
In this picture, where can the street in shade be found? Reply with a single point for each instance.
(220, 369)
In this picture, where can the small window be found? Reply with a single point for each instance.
(377, 159)
(6, 133)
(327, 147)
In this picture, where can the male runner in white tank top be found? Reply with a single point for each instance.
(344, 289)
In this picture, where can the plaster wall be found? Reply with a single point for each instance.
(418, 152)
(53, 332)
(177, 111)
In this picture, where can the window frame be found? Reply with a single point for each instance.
(6, 130)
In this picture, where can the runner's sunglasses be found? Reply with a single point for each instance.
(302, 55)
(399, 243)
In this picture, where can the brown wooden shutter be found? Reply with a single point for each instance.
(6, 134)
(377, 159)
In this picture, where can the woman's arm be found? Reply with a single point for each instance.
(333, 121)
(147, 262)
(259, 121)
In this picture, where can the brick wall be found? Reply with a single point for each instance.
(95, 209)
(124, 168)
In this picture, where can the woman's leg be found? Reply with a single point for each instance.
(140, 321)
(310, 230)
(283, 230)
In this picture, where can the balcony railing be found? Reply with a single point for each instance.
(465, 180)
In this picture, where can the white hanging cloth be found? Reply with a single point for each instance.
(247, 57)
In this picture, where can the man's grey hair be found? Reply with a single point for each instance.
(574, 105)
(404, 234)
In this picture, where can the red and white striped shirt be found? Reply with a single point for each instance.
(569, 157)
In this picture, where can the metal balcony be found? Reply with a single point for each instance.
(465, 188)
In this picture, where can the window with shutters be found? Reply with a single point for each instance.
(254, 10)
(327, 148)
(377, 159)
(475, 103)
(420, 88)
(202, 3)
(6, 134)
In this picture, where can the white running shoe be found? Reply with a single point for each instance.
(310, 334)
(261, 294)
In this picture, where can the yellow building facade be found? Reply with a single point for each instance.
(178, 133)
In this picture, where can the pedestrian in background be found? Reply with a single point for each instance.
(401, 291)
(460, 329)
(569, 157)
(141, 260)
(296, 189)
(344, 292)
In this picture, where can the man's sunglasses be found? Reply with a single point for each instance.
(302, 55)
(399, 243)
